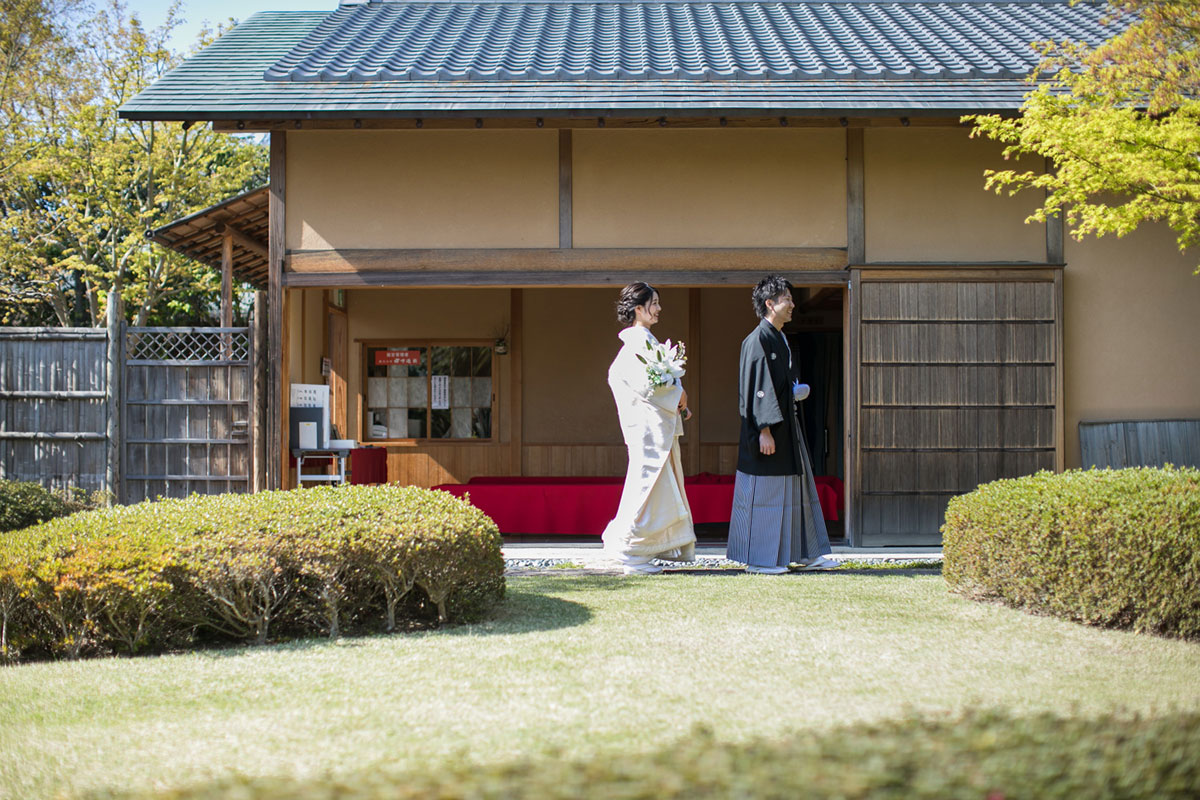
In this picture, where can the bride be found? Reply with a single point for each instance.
(653, 519)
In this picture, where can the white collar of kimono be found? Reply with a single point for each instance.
(636, 333)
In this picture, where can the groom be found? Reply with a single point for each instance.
(777, 517)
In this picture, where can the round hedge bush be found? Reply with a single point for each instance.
(25, 503)
(1118, 548)
(238, 567)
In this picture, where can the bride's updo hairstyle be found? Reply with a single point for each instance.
(634, 295)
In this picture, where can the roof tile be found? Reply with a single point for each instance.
(472, 58)
(731, 41)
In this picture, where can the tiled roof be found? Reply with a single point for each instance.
(471, 58)
(392, 41)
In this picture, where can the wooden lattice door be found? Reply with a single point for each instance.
(187, 407)
(958, 384)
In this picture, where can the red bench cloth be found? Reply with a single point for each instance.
(368, 465)
(582, 506)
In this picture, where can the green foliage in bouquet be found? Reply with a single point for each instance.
(245, 568)
(1118, 548)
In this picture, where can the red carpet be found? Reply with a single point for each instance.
(584, 505)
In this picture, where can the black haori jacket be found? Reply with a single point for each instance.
(765, 399)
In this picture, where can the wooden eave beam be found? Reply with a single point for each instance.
(415, 121)
(580, 259)
(527, 279)
(242, 240)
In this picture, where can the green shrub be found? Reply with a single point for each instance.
(26, 503)
(1119, 548)
(980, 755)
(243, 568)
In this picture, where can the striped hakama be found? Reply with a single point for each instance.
(776, 519)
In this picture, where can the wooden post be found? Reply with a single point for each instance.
(115, 375)
(259, 417)
(276, 420)
(516, 347)
(565, 190)
(693, 374)
(227, 281)
(1055, 229)
(226, 293)
(851, 316)
(1060, 417)
(856, 236)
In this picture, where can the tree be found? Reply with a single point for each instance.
(82, 186)
(1119, 123)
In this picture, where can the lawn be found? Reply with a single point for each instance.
(577, 666)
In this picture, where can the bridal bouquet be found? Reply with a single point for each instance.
(664, 362)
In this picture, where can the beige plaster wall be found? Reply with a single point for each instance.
(726, 316)
(421, 314)
(417, 189)
(709, 188)
(295, 335)
(570, 339)
(925, 200)
(1131, 326)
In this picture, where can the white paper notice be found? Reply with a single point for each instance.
(440, 386)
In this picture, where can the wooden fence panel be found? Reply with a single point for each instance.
(188, 399)
(1142, 443)
(53, 408)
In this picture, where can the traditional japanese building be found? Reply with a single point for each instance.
(459, 188)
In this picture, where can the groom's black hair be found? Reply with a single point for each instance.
(769, 288)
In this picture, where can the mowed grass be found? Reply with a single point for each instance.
(574, 665)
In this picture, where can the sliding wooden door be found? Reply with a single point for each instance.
(958, 383)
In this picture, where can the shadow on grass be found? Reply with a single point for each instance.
(990, 754)
(519, 612)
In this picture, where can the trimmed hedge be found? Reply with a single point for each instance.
(1118, 548)
(982, 755)
(26, 503)
(238, 567)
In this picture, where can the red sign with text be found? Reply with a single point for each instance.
(395, 358)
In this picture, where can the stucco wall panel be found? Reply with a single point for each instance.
(570, 339)
(726, 317)
(418, 189)
(925, 200)
(1131, 323)
(710, 188)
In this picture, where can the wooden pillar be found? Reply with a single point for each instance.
(693, 375)
(1060, 417)
(516, 350)
(1055, 250)
(856, 235)
(565, 189)
(276, 433)
(115, 397)
(851, 314)
(285, 382)
(259, 418)
(227, 280)
(226, 294)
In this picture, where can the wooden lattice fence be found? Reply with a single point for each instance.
(54, 395)
(136, 413)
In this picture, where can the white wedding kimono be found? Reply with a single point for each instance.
(653, 519)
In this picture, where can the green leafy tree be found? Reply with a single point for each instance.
(82, 186)
(1119, 123)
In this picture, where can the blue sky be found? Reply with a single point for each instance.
(196, 12)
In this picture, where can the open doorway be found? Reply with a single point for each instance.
(816, 337)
